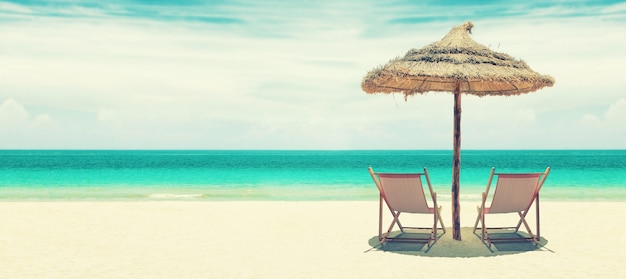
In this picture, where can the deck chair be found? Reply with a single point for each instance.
(404, 193)
(514, 193)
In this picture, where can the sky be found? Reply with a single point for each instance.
(255, 74)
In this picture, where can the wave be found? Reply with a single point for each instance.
(174, 196)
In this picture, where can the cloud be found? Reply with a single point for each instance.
(6, 7)
(19, 129)
(13, 115)
(607, 128)
(614, 117)
(591, 120)
(617, 113)
(615, 9)
(107, 115)
(111, 76)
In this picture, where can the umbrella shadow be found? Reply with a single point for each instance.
(470, 246)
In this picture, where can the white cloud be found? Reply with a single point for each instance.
(13, 8)
(617, 113)
(616, 8)
(607, 128)
(18, 129)
(613, 118)
(591, 120)
(12, 114)
(107, 115)
(42, 120)
(525, 116)
(125, 83)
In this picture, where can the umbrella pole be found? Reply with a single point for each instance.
(456, 164)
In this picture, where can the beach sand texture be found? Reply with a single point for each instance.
(270, 239)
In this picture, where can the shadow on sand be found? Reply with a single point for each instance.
(470, 246)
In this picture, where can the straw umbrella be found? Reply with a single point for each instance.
(459, 65)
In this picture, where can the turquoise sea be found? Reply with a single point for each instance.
(102, 175)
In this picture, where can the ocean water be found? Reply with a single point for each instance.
(197, 175)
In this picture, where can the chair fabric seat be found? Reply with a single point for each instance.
(404, 193)
(514, 193)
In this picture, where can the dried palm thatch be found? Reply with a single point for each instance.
(456, 57)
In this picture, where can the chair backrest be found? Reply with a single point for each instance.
(514, 192)
(404, 192)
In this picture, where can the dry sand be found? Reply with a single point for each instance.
(290, 240)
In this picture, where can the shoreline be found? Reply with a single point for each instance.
(286, 239)
(365, 193)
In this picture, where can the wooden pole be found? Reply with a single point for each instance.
(456, 164)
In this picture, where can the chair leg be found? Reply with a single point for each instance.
(477, 218)
(440, 220)
(396, 215)
(396, 220)
(483, 229)
(523, 220)
(538, 227)
(433, 231)
(380, 218)
(383, 238)
(393, 223)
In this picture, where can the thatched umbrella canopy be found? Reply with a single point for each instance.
(459, 65)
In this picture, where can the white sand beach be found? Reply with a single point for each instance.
(316, 239)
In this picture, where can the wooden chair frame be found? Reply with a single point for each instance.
(482, 211)
(436, 211)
